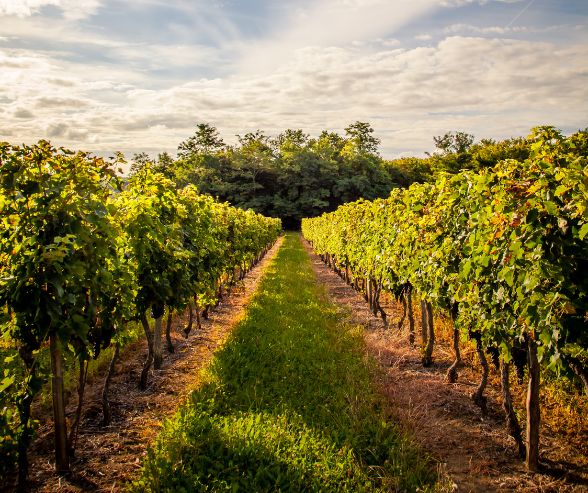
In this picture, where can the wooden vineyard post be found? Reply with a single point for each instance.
(533, 412)
(61, 452)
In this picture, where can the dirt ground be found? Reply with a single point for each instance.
(108, 457)
(474, 451)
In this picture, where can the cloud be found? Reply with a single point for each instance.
(71, 9)
(298, 64)
(165, 57)
(23, 113)
(325, 23)
(468, 28)
(56, 34)
(56, 130)
(61, 102)
(409, 95)
(461, 3)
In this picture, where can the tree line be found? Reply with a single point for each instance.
(292, 175)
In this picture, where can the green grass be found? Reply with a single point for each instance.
(288, 405)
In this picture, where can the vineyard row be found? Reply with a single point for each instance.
(81, 254)
(504, 251)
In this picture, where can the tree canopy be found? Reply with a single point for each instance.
(290, 176)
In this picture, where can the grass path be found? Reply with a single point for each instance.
(288, 404)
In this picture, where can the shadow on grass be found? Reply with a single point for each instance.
(288, 405)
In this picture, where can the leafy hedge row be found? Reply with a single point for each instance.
(505, 250)
(82, 252)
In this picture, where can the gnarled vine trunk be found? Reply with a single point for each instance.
(73, 433)
(197, 308)
(188, 327)
(168, 326)
(428, 353)
(478, 396)
(424, 328)
(375, 295)
(149, 359)
(402, 299)
(219, 292)
(580, 370)
(379, 308)
(410, 316)
(157, 343)
(512, 423)
(106, 414)
(452, 371)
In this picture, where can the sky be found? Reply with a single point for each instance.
(139, 75)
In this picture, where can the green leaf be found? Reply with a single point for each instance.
(6, 382)
(10, 359)
(551, 207)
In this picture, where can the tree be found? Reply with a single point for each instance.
(254, 161)
(409, 170)
(206, 140)
(453, 152)
(304, 180)
(457, 142)
(291, 139)
(328, 146)
(140, 160)
(488, 153)
(359, 134)
(165, 165)
(290, 176)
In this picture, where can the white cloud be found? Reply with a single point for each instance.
(468, 28)
(165, 57)
(461, 3)
(490, 87)
(323, 65)
(37, 30)
(71, 9)
(61, 102)
(325, 23)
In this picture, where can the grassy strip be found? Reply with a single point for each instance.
(288, 405)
